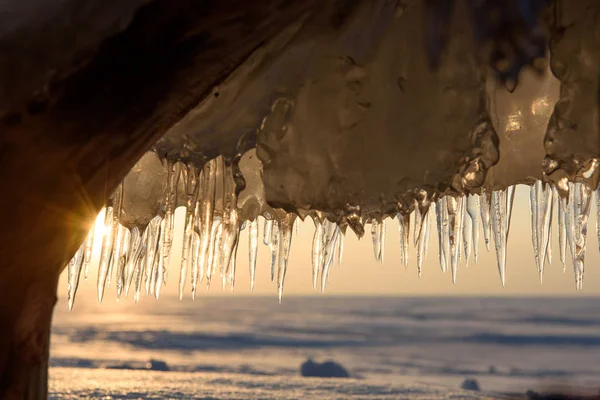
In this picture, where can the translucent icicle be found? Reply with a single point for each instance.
(267, 231)
(151, 250)
(195, 253)
(134, 254)
(317, 251)
(453, 205)
(106, 253)
(169, 203)
(159, 268)
(192, 211)
(331, 236)
(253, 250)
(485, 218)
(121, 254)
(231, 223)
(562, 229)
(211, 260)
(285, 244)
(440, 205)
(446, 234)
(73, 272)
(139, 264)
(207, 227)
(232, 264)
(422, 229)
(583, 196)
(274, 246)
(570, 218)
(427, 232)
(382, 238)
(404, 230)
(535, 234)
(467, 233)
(549, 248)
(545, 225)
(502, 201)
(473, 209)
(87, 251)
(340, 247)
(418, 225)
(376, 236)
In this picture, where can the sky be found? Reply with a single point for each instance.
(360, 274)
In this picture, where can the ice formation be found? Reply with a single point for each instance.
(357, 126)
(135, 251)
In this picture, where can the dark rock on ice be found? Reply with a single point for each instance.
(157, 365)
(470, 384)
(328, 369)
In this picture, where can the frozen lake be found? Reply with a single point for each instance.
(252, 347)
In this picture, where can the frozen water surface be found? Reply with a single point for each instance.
(394, 348)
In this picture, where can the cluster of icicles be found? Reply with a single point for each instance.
(137, 259)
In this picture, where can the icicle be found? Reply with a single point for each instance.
(267, 231)
(159, 275)
(570, 218)
(376, 236)
(169, 203)
(404, 230)
(473, 209)
(192, 211)
(121, 255)
(73, 272)
(107, 246)
(418, 224)
(134, 254)
(213, 240)
(232, 264)
(549, 248)
(195, 253)
(253, 250)
(331, 236)
(427, 232)
(545, 222)
(140, 262)
(115, 248)
(453, 206)
(153, 238)
(274, 246)
(317, 251)
(207, 226)
(87, 251)
(535, 234)
(340, 247)
(421, 227)
(285, 244)
(382, 239)
(562, 229)
(485, 218)
(502, 201)
(440, 205)
(446, 234)
(231, 224)
(581, 211)
(467, 233)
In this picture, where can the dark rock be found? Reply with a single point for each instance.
(328, 369)
(470, 384)
(157, 365)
